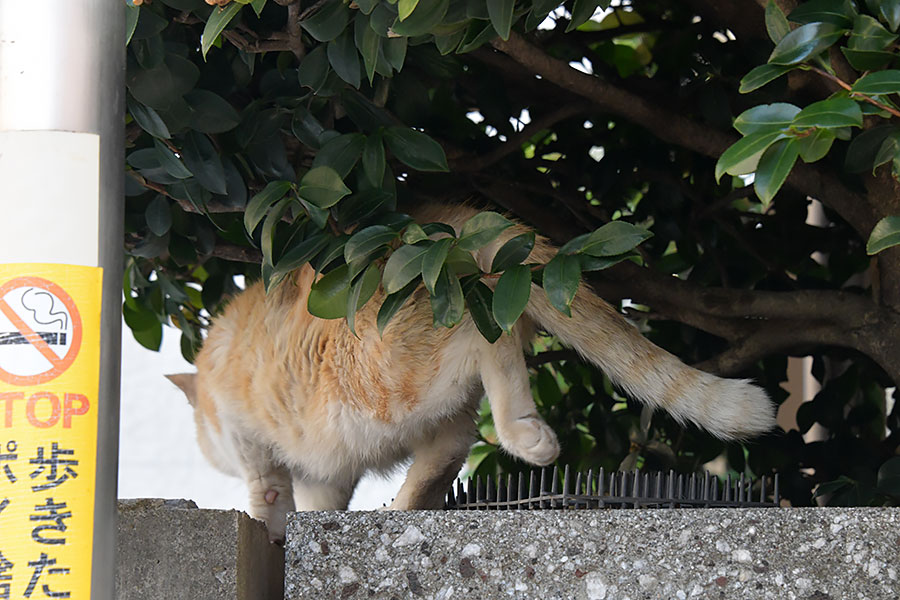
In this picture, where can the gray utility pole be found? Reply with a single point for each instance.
(62, 88)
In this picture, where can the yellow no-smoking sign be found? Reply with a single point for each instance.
(49, 380)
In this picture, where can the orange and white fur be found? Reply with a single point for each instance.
(300, 407)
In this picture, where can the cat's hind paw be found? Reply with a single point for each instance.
(532, 440)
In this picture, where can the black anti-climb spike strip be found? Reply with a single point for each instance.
(619, 490)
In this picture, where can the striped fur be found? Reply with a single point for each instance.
(301, 408)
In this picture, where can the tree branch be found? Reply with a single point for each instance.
(681, 131)
(233, 253)
(514, 143)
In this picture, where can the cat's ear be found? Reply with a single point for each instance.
(187, 383)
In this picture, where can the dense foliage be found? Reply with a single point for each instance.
(267, 134)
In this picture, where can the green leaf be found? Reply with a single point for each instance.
(433, 228)
(616, 237)
(150, 338)
(427, 15)
(480, 299)
(170, 162)
(366, 241)
(805, 42)
(148, 119)
(367, 6)
(392, 303)
(889, 477)
(328, 22)
(210, 113)
(416, 149)
(461, 261)
(433, 262)
(447, 302)
(477, 34)
(361, 292)
(869, 34)
(742, 156)
(323, 187)
(777, 24)
(575, 244)
(774, 166)
(761, 75)
(866, 147)
(373, 159)
(816, 145)
(501, 15)
(258, 6)
(269, 228)
(158, 216)
(889, 151)
(867, 60)
(319, 216)
(260, 203)
(582, 10)
(341, 153)
(836, 12)
(344, 58)
(404, 265)
(511, 296)
(306, 128)
(132, 13)
(314, 69)
(766, 117)
(202, 159)
(881, 82)
(405, 8)
(561, 278)
(395, 52)
(889, 10)
(414, 233)
(482, 229)
(885, 234)
(299, 255)
(513, 252)
(328, 296)
(219, 18)
(369, 44)
(831, 113)
(598, 263)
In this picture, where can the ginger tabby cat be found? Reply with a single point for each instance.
(300, 407)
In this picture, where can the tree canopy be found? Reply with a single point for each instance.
(725, 172)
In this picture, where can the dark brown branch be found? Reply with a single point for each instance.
(514, 143)
(549, 357)
(257, 46)
(211, 207)
(234, 253)
(679, 130)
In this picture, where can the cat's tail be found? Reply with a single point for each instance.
(727, 408)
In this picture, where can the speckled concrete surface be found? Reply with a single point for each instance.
(806, 553)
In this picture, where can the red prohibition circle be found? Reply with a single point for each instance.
(58, 365)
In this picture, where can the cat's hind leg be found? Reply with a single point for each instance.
(522, 432)
(436, 462)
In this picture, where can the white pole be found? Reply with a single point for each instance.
(62, 85)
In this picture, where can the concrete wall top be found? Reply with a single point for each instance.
(808, 553)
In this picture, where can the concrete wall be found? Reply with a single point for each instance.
(171, 550)
(808, 553)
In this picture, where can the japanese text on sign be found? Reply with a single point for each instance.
(49, 374)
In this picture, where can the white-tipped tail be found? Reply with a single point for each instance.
(727, 408)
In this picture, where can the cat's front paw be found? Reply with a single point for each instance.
(532, 440)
